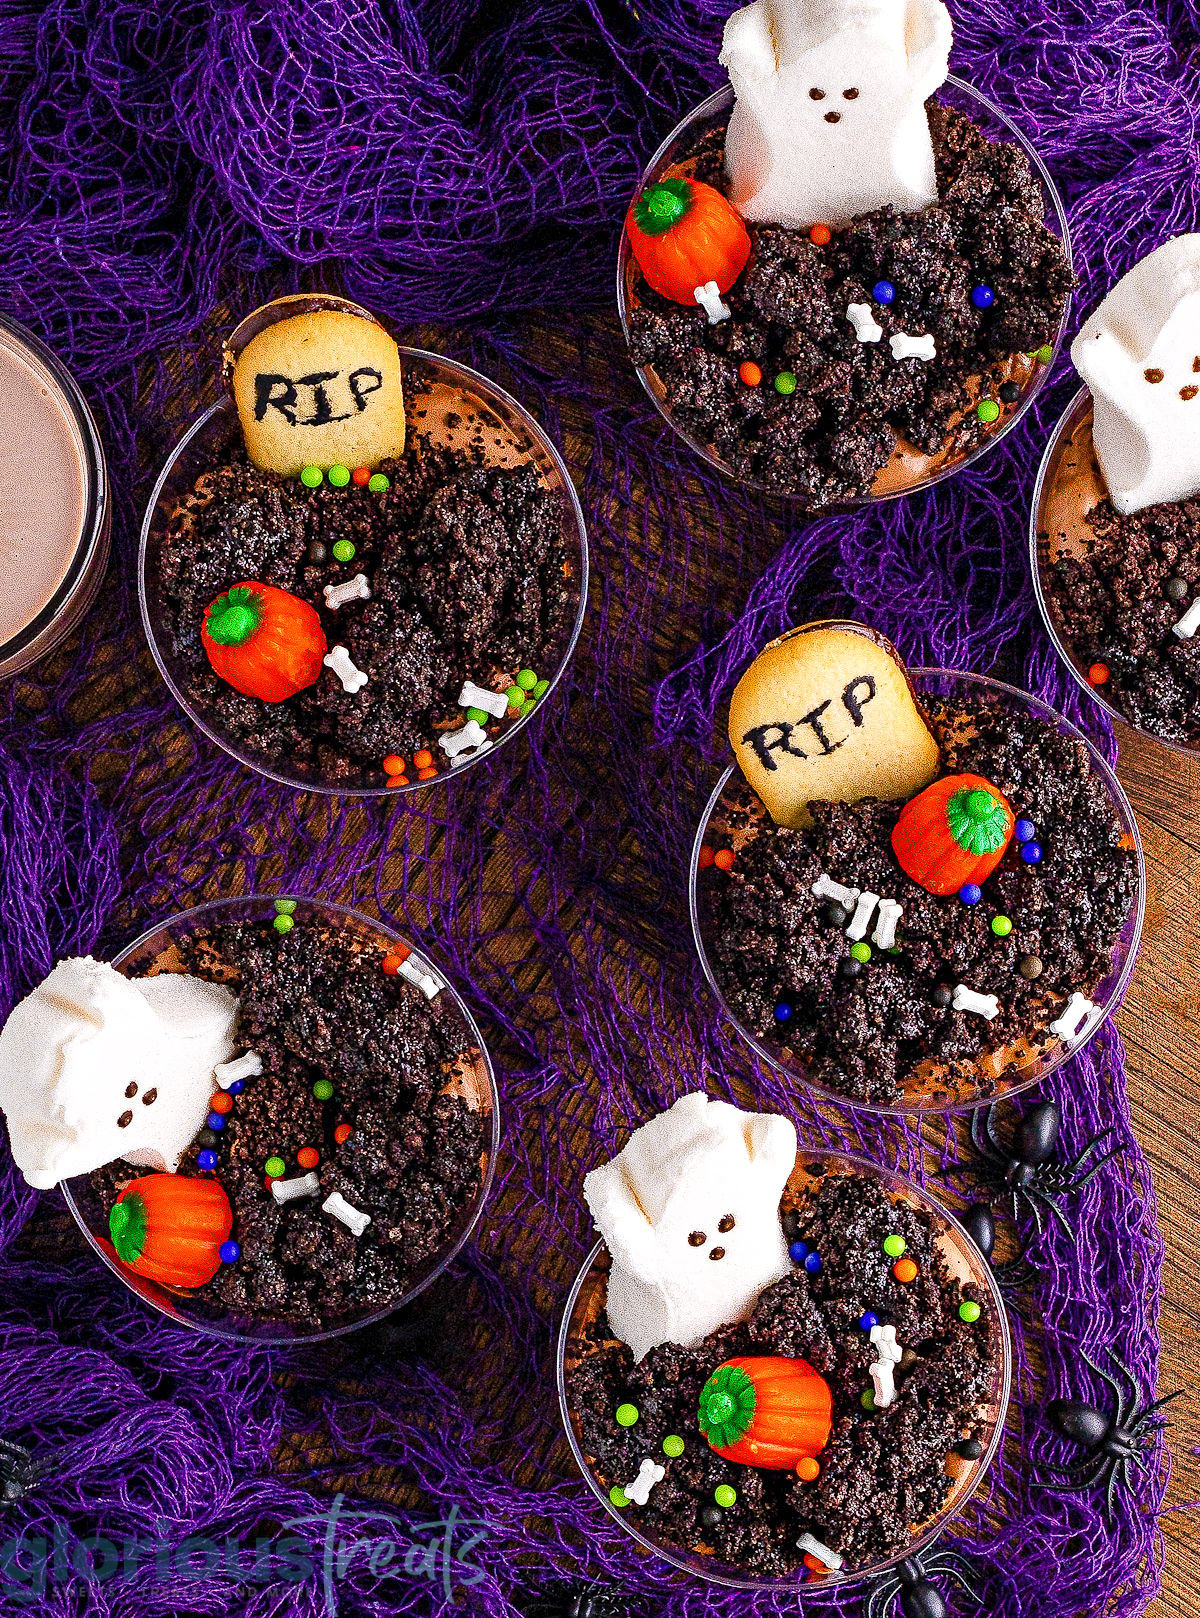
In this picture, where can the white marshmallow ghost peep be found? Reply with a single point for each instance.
(830, 119)
(689, 1211)
(1140, 355)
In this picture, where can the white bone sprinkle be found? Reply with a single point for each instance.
(340, 661)
(421, 977)
(826, 888)
(1189, 623)
(336, 1204)
(861, 919)
(889, 1354)
(866, 328)
(907, 347)
(887, 919)
(813, 1547)
(305, 1185)
(243, 1067)
(1076, 1013)
(709, 298)
(471, 740)
(971, 1000)
(355, 589)
(477, 696)
(638, 1492)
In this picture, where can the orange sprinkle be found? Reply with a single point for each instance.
(820, 235)
(813, 1565)
(394, 960)
(393, 764)
(706, 857)
(361, 475)
(904, 1270)
(423, 758)
(808, 1471)
(397, 780)
(723, 859)
(1098, 673)
(426, 774)
(308, 1157)
(269, 1181)
(342, 1133)
(750, 373)
(221, 1102)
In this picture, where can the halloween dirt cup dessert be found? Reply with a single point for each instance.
(366, 566)
(1115, 530)
(912, 889)
(778, 1366)
(272, 1118)
(845, 275)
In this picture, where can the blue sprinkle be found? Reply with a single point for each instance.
(798, 1252)
(1031, 853)
(868, 1322)
(883, 292)
(230, 1252)
(983, 297)
(236, 1088)
(813, 1264)
(216, 1120)
(970, 893)
(1024, 830)
(206, 1160)
(783, 1012)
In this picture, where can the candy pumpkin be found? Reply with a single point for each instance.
(766, 1411)
(954, 832)
(684, 234)
(170, 1228)
(263, 641)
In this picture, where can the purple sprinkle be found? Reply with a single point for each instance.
(970, 893)
(1024, 830)
(798, 1252)
(813, 1264)
(216, 1120)
(868, 1322)
(1031, 853)
(236, 1088)
(206, 1160)
(230, 1252)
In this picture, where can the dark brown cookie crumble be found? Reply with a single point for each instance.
(852, 404)
(865, 1030)
(883, 1471)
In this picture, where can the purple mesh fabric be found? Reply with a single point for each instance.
(163, 167)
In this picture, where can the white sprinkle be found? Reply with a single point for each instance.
(709, 298)
(336, 1204)
(340, 662)
(831, 1559)
(826, 888)
(970, 1000)
(866, 328)
(905, 347)
(638, 1492)
(477, 696)
(886, 921)
(1076, 1013)
(861, 918)
(889, 1354)
(472, 740)
(245, 1067)
(1189, 623)
(306, 1185)
(355, 589)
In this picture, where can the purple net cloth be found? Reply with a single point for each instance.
(163, 167)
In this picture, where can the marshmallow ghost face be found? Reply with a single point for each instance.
(829, 119)
(1140, 355)
(690, 1213)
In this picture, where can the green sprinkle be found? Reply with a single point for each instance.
(1045, 354)
(323, 1089)
(284, 907)
(283, 924)
(970, 1312)
(339, 476)
(527, 679)
(275, 1166)
(673, 1445)
(540, 689)
(515, 696)
(627, 1415)
(480, 716)
(894, 1245)
(618, 1497)
(989, 411)
(312, 477)
(343, 550)
(725, 1495)
(867, 1399)
(785, 382)
(861, 952)
(379, 484)
(1001, 926)
(895, 950)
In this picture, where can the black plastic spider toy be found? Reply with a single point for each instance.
(911, 1581)
(18, 1472)
(1114, 1444)
(1022, 1171)
(581, 1599)
(1013, 1273)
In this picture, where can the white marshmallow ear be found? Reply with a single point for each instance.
(618, 1214)
(771, 1143)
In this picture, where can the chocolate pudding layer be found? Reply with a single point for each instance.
(1040, 931)
(883, 1472)
(856, 421)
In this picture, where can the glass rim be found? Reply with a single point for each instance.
(492, 1146)
(573, 514)
(1068, 1048)
(1055, 208)
(941, 1521)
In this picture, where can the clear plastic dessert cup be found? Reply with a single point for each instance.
(447, 403)
(474, 1080)
(964, 1261)
(44, 605)
(997, 1074)
(1069, 484)
(909, 469)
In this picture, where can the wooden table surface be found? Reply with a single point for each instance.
(1160, 1022)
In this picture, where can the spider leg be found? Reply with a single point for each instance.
(1039, 1199)
(881, 1598)
(983, 1134)
(1128, 1405)
(954, 1567)
(1077, 1479)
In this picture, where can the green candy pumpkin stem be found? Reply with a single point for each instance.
(127, 1228)
(977, 821)
(234, 617)
(727, 1404)
(662, 205)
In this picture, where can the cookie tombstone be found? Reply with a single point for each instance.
(826, 712)
(320, 389)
